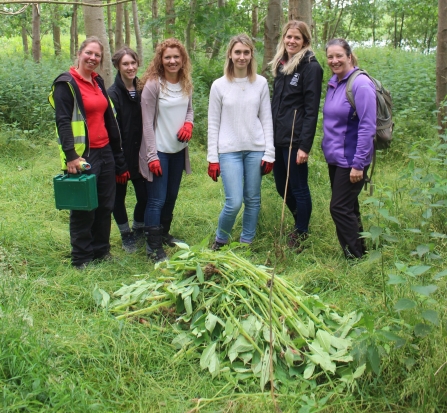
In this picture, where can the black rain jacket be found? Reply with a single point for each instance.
(300, 90)
(128, 115)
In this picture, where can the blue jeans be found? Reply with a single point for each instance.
(163, 190)
(298, 198)
(241, 177)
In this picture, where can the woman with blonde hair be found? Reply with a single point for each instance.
(240, 138)
(166, 105)
(295, 103)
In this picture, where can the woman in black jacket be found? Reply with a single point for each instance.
(295, 103)
(126, 100)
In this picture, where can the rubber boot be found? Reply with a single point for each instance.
(168, 239)
(154, 245)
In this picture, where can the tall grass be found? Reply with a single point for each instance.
(60, 353)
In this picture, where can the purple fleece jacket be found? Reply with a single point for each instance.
(347, 137)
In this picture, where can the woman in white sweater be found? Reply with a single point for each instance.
(240, 138)
(167, 128)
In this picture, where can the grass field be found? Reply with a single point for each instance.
(59, 352)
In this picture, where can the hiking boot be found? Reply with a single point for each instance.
(168, 239)
(129, 242)
(295, 241)
(154, 243)
(217, 245)
(82, 266)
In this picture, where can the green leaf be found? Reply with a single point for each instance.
(421, 330)
(321, 357)
(418, 269)
(374, 255)
(376, 232)
(422, 250)
(188, 305)
(241, 345)
(207, 356)
(309, 371)
(386, 214)
(182, 245)
(288, 355)
(404, 304)
(409, 362)
(431, 316)
(427, 214)
(265, 368)
(101, 297)
(395, 279)
(183, 339)
(266, 334)
(424, 290)
(210, 322)
(438, 235)
(359, 371)
(324, 338)
(374, 358)
(439, 275)
(199, 274)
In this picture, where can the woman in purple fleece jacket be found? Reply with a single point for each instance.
(347, 143)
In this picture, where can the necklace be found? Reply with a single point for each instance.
(241, 85)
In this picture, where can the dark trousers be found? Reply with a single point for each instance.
(90, 230)
(298, 198)
(119, 210)
(345, 210)
(163, 190)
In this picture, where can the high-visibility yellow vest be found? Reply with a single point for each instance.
(78, 126)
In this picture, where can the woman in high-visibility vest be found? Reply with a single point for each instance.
(88, 132)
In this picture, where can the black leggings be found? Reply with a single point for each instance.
(119, 210)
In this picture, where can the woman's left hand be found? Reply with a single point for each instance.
(185, 133)
(301, 157)
(355, 175)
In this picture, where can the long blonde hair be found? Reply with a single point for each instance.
(281, 54)
(156, 70)
(229, 65)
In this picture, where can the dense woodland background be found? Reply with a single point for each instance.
(61, 352)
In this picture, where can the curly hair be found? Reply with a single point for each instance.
(281, 53)
(156, 70)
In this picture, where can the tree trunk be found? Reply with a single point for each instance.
(24, 38)
(170, 18)
(74, 33)
(155, 26)
(126, 26)
(36, 49)
(401, 29)
(254, 19)
(136, 26)
(56, 31)
(218, 39)
(110, 30)
(271, 32)
(301, 10)
(325, 34)
(95, 26)
(441, 66)
(189, 38)
(119, 21)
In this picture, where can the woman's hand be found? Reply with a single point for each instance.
(74, 166)
(355, 175)
(301, 157)
(185, 133)
(213, 170)
(266, 167)
(155, 167)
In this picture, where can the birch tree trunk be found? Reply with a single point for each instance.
(441, 66)
(110, 30)
(126, 26)
(136, 27)
(301, 10)
(95, 26)
(36, 48)
(189, 36)
(254, 19)
(271, 33)
(74, 33)
(24, 34)
(119, 21)
(170, 18)
(56, 31)
(154, 27)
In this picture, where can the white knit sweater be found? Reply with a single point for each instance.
(240, 118)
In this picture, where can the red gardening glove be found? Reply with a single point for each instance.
(155, 167)
(266, 167)
(214, 170)
(123, 178)
(185, 132)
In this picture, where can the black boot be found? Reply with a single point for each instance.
(154, 246)
(168, 239)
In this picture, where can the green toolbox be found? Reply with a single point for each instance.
(75, 192)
